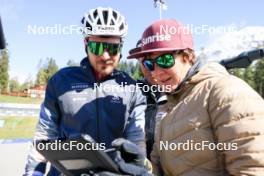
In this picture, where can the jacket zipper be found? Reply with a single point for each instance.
(98, 139)
(154, 121)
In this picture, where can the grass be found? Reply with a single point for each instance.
(23, 100)
(18, 127)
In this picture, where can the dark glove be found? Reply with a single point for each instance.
(129, 158)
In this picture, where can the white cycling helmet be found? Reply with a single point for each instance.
(104, 22)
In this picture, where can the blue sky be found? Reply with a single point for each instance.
(27, 49)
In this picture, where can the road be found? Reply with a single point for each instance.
(13, 157)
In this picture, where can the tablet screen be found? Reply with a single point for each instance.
(75, 160)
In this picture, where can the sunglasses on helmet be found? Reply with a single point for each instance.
(98, 48)
(166, 61)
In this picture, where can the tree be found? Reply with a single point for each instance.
(249, 74)
(259, 77)
(41, 78)
(71, 63)
(14, 85)
(238, 72)
(202, 56)
(132, 69)
(27, 83)
(137, 74)
(46, 71)
(123, 66)
(259, 74)
(51, 69)
(4, 76)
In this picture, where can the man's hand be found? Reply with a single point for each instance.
(130, 158)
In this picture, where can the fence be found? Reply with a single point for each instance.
(12, 109)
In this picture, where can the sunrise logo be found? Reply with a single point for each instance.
(155, 38)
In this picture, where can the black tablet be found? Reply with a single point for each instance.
(76, 156)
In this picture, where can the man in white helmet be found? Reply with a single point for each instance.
(83, 99)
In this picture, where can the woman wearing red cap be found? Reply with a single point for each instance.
(214, 120)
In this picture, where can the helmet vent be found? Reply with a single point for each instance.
(105, 15)
(90, 18)
(112, 22)
(121, 27)
(95, 14)
(115, 15)
(88, 25)
(99, 22)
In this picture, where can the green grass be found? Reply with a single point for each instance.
(25, 100)
(18, 127)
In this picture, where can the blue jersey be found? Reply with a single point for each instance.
(75, 103)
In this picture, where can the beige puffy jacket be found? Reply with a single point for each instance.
(211, 107)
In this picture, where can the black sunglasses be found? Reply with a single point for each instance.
(98, 48)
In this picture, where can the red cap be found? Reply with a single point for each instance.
(164, 35)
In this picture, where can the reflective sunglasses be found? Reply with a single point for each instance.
(98, 48)
(166, 60)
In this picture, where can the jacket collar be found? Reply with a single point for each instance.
(158, 97)
(192, 71)
(88, 69)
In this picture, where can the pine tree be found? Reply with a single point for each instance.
(46, 71)
(4, 76)
(72, 63)
(249, 76)
(259, 77)
(14, 85)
